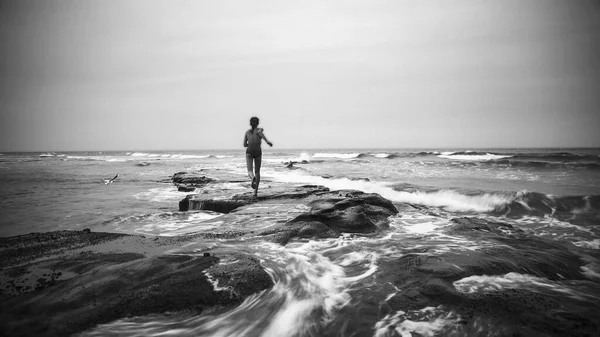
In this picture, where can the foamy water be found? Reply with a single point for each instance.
(345, 286)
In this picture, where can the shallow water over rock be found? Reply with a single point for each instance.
(323, 257)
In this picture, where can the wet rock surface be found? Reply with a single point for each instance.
(85, 284)
(299, 229)
(64, 282)
(496, 285)
(349, 211)
(23, 248)
(189, 181)
(82, 283)
(200, 202)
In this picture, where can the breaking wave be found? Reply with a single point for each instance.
(510, 204)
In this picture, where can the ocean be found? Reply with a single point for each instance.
(343, 286)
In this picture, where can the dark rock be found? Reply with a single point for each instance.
(185, 188)
(284, 233)
(184, 204)
(22, 248)
(227, 235)
(476, 224)
(516, 252)
(245, 276)
(360, 179)
(190, 179)
(194, 202)
(350, 211)
(103, 287)
(221, 206)
(277, 193)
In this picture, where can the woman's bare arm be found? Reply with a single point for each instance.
(262, 135)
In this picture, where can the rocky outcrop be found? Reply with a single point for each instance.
(302, 229)
(190, 178)
(188, 182)
(330, 214)
(85, 278)
(221, 206)
(77, 289)
(23, 248)
(430, 280)
(475, 224)
(194, 202)
(350, 211)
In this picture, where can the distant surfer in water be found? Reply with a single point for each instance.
(252, 140)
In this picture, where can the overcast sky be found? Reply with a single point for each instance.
(176, 75)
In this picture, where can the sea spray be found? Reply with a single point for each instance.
(309, 290)
(449, 199)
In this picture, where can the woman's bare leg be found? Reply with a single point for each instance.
(249, 161)
(257, 165)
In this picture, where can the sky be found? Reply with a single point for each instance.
(185, 75)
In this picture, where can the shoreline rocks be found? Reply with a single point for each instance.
(86, 278)
(350, 211)
(112, 276)
(188, 182)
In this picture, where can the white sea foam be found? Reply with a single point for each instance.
(494, 283)
(336, 155)
(309, 290)
(230, 186)
(164, 225)
(486, 283)
(448, 199)
(592, 267)
(382, 155)
(139, 154)
(547, 222)
(517, 175)
(421, 228)
(304, 156)
(161, 194)
(167, 155)
(215, 282)
(477, 157)
(594, 244)
(428, 321)
(98, 158)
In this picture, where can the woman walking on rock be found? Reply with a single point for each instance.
(252, 141)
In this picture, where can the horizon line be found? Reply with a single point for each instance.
(317, 148)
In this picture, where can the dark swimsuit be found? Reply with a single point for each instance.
(254, 153)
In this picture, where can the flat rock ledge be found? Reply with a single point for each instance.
(330, 212)
(62, 283)
(195, 202)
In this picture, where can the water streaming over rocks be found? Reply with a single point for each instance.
(351, 242)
